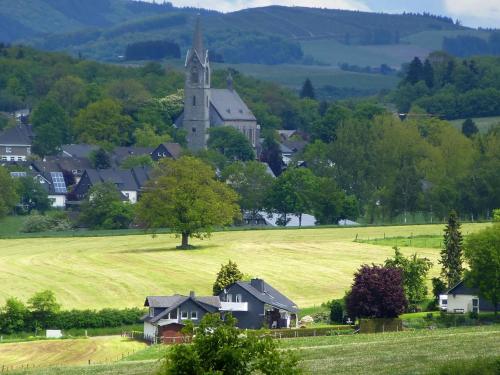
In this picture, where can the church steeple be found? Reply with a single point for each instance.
(198, 39)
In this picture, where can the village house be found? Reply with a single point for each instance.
(464, 299)
(206, 107)
(53, 182)
(255, 304)
(15, 143)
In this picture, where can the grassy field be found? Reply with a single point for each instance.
(394, 353)
(410, 352)
(97, 350)
(482, 123)
(310, 266)
(434, 242)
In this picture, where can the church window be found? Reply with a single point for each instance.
(207, 101)
(193, 130)
(207, 77)
(194, 101)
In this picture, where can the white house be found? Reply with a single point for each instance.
(463, 299)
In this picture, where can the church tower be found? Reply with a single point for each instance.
(196, 121)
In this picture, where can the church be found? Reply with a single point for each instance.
(206, 107)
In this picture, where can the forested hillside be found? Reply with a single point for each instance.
(451, 88)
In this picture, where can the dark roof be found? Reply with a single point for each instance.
(269, 295)
(124, 179)
(78, 150)
(230, 106)
(174, 149)
(463, 289)
(119, 154)
(19, 135)
(209, 303)
(295, 146)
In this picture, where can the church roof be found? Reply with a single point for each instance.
(230, 106)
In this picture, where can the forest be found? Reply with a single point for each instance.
(369, 162)
(451, 88)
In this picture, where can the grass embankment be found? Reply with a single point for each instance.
(311, 266)
(46, 353)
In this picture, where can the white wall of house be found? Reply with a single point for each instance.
(58, 201)
(150, 330)
(131, 195)
(460, 303)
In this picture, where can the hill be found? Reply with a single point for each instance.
(311, 266)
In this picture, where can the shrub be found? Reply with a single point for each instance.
(336, 312)
(54, 221)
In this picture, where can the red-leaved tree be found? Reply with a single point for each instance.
(377, 292)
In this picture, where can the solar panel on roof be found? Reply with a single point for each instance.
(58, 181)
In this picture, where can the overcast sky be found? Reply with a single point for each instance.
(484, 13)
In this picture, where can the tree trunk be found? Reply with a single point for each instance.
(300, 220)
(185, 241)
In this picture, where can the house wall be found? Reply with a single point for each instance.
(254, 318)
(58, 201)
(83, 187)
(150, 331)
(459, 302)
(190, 306)
(131, 194)
(14, 153)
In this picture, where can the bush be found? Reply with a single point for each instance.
(336, 312)
(54, 221)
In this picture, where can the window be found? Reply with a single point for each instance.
(8, 150)
(194, 315)
(444, 301)
(207, 101)
(193, 130)
(4, 158)
(238, 298)
(194, 75)
(229, 298)
(184, 314)
(194, 101)
(172, 314)
(151, 312)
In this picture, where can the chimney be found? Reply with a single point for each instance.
(192, 294)
(258, 284)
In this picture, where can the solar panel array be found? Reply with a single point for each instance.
(58, 181)
(18, 174)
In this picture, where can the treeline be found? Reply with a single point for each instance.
(382, 69)
(451, 88)
(468, 45)
(152, 50)
(42, 311)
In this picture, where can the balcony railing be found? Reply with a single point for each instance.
(234, 306)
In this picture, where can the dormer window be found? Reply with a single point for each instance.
(151, 312)
(194, 75)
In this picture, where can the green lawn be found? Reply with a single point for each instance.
(434, 242)
(311, 266)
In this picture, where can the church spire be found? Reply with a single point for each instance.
(198, 38)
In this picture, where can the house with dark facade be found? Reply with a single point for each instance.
(168, 314)
(255, 304)
(15, 143)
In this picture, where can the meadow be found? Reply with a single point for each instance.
(409, 352)
(311, 266)
(482, 123)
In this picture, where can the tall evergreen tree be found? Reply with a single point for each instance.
(451, 254)
(415, 71)
(307, 90)
(428, 74)
(469, 128)
(228, 274)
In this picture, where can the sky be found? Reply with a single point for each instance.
(473, 13)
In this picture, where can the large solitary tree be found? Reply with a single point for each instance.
(451, 254)
(185, 197)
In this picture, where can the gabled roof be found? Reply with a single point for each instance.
(129, 179)
(169, 303)
(119, 154)
(462, 289)
(78, 150)
(230, 106)
(19, 135)
(269, 295)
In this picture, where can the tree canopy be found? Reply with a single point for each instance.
(452, 252)
(231, 143)
(185, 197)
(227, 275)
(8, 193)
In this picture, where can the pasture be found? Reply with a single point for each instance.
(47, 353)
(410, 352)
(483, 123)
(311, 266)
